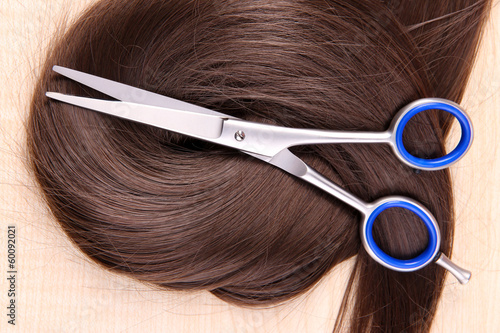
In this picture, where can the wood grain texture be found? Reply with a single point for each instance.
(59, 290)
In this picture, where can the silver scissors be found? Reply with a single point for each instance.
(269, 143)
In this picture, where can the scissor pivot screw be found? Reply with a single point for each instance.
(239, 136)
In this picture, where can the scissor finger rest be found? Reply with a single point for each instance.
(383, 258)
(402, 118)
(270, 143)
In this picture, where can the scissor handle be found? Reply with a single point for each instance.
(423, 259)
(405, 114)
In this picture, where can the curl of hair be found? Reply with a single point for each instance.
(183, 214)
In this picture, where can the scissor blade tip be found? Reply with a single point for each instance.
(56, 95)
(60, 69)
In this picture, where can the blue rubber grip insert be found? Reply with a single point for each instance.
(440, 162)
(423, 258)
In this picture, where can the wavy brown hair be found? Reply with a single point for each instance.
(184, 214)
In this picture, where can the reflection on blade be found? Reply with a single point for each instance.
(202, 126)
(131, 94)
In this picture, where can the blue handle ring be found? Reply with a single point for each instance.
(398, 264)
(448, 159)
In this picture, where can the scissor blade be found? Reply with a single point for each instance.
(202, 126)
(131, 94)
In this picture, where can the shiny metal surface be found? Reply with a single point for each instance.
(265, 142)
(370, 208)
(463, 276)
(201, 126)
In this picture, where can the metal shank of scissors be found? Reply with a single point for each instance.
(270, 143)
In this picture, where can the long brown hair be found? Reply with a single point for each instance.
(183, 214)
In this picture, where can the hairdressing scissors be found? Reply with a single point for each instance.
(269, 143)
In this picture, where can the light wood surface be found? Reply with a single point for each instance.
(59, 290)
